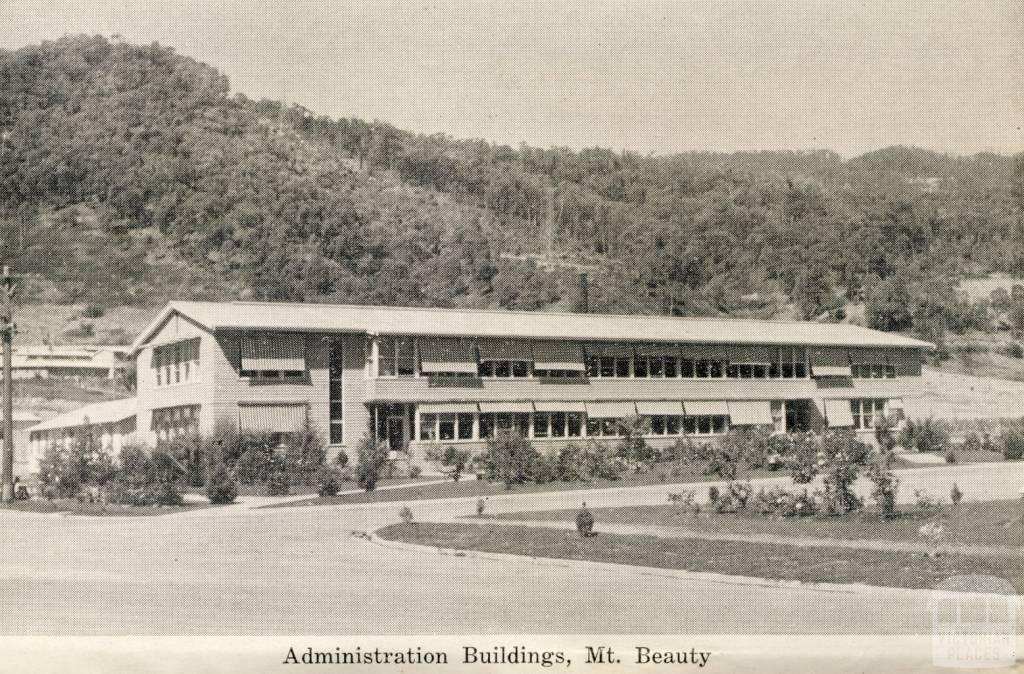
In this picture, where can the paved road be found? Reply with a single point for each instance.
(299, 571)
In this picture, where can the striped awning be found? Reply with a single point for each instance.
(559, 356)
(446, 408)
(447, 354)
(695, 408)
(659, 407)
(273, 352)
(272, 417)
(656, 350)
(605, 410)
(829, 355)
(838, 414)
(559, 406)
(750, 413)
(831, 371)
(868, 356)
(507, 407)
(620, 349)
(505, 349)
(753, 354)
(703, 351)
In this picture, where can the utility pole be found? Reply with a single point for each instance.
(7, 330)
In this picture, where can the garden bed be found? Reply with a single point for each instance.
(760, 560)
(75, 507)
(969, 523)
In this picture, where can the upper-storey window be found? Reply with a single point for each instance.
(273, 358)
(396, 356)
(177, 363)
(504, 368)
(873, 371)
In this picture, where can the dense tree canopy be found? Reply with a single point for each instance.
(131, 173)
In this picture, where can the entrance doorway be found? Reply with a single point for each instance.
(396, 435)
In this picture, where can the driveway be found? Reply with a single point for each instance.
(299, 571)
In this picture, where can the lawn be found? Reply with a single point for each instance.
(75, 507)
(660, 474)
(970, 523)
(760, 560)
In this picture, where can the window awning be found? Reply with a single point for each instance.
(660, 407)
(831, 371)
(695, 408)
(559, 356)
(704, 351)
(829, 355)
(657, 350)
(838, 414)
(753, 354)
(273, 352)
(620, 349)
(896, 403)
(447, 354)
(750, 413)
(507, 407)
(616, 410)
(273, 418)
(505, 349)
(868, 356)
(446, 408)
(559, 406)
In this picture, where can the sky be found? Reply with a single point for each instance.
(642, 75)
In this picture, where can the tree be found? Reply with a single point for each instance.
(220, 485)
(510, 458)
(887, 306)
(373, 458)
(632, 447)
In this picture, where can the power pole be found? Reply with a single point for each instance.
(7, 331)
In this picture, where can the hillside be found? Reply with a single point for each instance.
(131, 174)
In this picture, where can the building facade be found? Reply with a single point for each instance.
(108, 425)
(417, 378)
(85, 361)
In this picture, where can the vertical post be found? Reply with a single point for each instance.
(7, 328)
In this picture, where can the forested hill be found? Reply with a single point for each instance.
(132, 174)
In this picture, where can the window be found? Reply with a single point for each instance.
(866, 411)
(608, 366)
(396, 356)
(686, 369)
(273, 358)
(779, 415)
(704, 425)
(602, 427)
(640, 367)
(465, 426)
(173, 422)
(574, 424)
(428, 427)
(541, 425)
(446, 426)
(671, 369)
(176, 363)
(336, 365)
(492, 423)
(793, 362)
(873, 371)
(557, 374)
(504, 369)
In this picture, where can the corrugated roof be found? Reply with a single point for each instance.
(522, 324)
(108, 412)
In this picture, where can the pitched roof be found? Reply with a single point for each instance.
(108, 412)
(280, 316)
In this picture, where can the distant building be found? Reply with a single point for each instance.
(23, 421)
(68, 361)
(110, 425)
(421, 377)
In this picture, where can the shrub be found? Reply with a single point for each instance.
(166, 493)
(886, 484)
(279, 484)
(509, 458)
(955, 495)
(782, 502)
(188, 454)
(415, 471)
(65, 470)
(752, 446)
(93, 311)
(714, 493)
(1011, 440)
(304, 455)
(327, 481)
(341, 459)
(220, 485)
(481, 505)
(950, 455)
(740, 493)
(633, 447)
(685, 500)
(927, 435)
(885, 432)
(406, 514)
(373, 459)
(585, 521)
(925, 502)
(450, 461)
